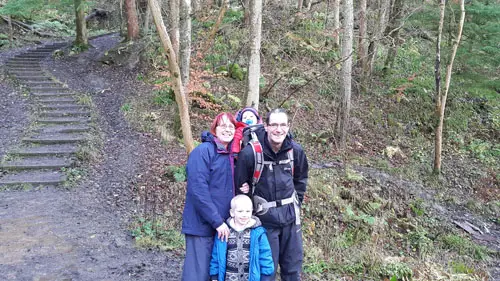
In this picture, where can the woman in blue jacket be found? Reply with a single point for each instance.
(208, 196)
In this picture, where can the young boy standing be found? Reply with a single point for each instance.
(246, 255)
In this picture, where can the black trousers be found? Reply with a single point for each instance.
(286, 247)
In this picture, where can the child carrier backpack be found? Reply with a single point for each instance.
(250, 138)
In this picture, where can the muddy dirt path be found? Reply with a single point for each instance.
(82, 233)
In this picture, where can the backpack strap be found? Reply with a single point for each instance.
(259, 159)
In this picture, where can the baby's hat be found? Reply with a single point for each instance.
(239, 115)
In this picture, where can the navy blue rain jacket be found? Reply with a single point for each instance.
(209, 187)
(275, 184)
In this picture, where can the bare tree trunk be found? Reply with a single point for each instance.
(441, 98)
(196, 7)
(392, 32)
(347, 42)
(300, 3)
(122, 21)
(132, 20)
(254, 54)
(215, 27)
(81, 25)
(379, 32)
(185, 38)
(180, 96)
(174, 24)
(336, 23)
(11, 32)
(246, 16)
(362, 48)
(145, 30)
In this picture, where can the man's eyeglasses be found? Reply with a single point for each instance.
(226, 126)
(274, 126)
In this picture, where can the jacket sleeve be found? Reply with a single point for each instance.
(265, 256)
(301, 171)
(214, 262)
(198, 172)
(243, 172)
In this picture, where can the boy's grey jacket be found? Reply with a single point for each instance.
(277, 184)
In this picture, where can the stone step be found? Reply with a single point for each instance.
(23, 68)
(47, 150)
(62, 113)
(68, 100)
(41, 163)
(43, 89)
(22, 63)
(56, 138)
(25, 72)
(33, 177)
(23, 59)
(54, 129)
(62, 120)
(41, 84)
(63, 106)
(38, 53)
(53, 95)
(33, 78)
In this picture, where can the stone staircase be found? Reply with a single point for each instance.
(60, 125)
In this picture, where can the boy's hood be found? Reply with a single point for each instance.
(254, 222)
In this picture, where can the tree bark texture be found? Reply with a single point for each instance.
(132, 20)
(336, 22)
(362, 48)
(185, 40)
(392, 33)
(254, 54)
(345, 105)
(180, 96)
(441, 98)
(81, 25)
(378, 31)
(300, 3)
(147, 17)
(11, 32)
(173, 22)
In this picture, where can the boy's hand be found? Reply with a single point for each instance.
(245, 188)
(223, 232)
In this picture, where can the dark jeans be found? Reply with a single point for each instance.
(197, 261)
(286, 246)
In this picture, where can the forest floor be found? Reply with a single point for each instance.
(83, 232)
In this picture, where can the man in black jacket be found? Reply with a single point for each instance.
(277, 190)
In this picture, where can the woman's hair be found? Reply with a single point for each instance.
(218, 119)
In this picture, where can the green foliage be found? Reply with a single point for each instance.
(396, 271)
(233, 16)
(420, 242)
(22, 8)
(126, 107)
(236, 72)
(3, 36)
(150, 234)
(177, 173)
(418, 207)
(164, 96)
(484, 150)
(464, 246)
(461, 268)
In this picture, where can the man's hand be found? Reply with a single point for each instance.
(223, 232)
(245, 188)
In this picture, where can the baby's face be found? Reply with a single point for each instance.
(249, 118)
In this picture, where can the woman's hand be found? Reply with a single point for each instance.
(245, 188)
(223, 232)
